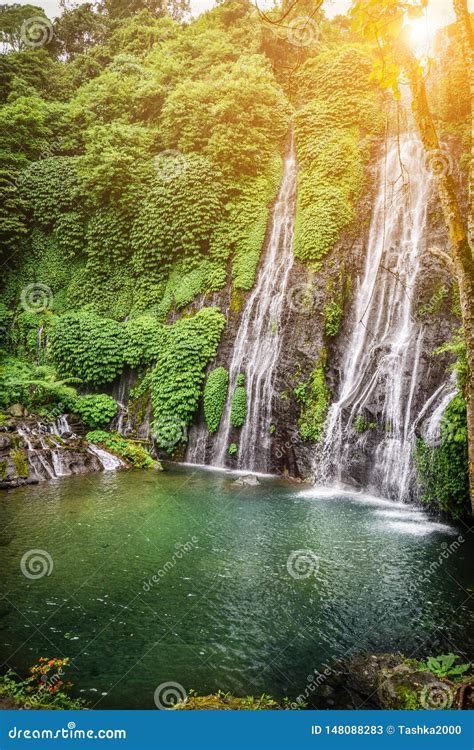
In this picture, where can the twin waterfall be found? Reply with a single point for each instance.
(381, 368)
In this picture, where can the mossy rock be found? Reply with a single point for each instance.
(226, 702)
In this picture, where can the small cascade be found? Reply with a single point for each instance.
(431, 431)
(258, 341)
(371, 428)
(60, 426)
(109, 462)
(124, 423)
(52, 450)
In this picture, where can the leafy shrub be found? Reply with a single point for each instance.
(88, 347)
(215, 394)
(232, 449)
(35, 387)
(132, 452)
(238, 406)
(442, 471)
(362, 425)
(444, 666)
(188, 346)
(332, 318)
(95, 410)
(315, 399)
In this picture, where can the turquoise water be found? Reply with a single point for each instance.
(225, 613)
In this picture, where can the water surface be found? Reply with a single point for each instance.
(226, 614)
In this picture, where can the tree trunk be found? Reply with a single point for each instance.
(464, 27)
(460, 247)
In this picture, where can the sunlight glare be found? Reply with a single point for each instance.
(420, 34)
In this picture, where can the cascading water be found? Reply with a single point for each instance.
(49, 456)
(380, 372)
(258, 342)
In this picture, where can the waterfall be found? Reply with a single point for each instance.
(109, 462)
(380, 371)
(60, 426)
(432, 427)
(258, 341)
(49, 456)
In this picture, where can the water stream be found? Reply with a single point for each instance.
(381, 370)
(257, 344)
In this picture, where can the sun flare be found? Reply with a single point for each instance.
(420, 34)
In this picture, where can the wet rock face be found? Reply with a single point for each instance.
(31, 453)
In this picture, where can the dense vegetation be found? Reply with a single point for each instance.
(141, 155)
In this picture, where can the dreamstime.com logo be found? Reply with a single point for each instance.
(168, 431)
(67, 733)
(180, 551)
(168, 694)
(439, 161)
(36, 563)
(36, 31)
(437, 697)
(301, 298)
(302, 31)
(302, 563)
(169, 165)
(36, 298)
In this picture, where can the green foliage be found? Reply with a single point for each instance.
(341, 106)
(457, 346)
(232, 449)
(95, 410)
(20, 462)
(178, 219)
(88, 348)
(362, 425)
(443, 666)
(176, 381)
(332, 318)
(215, 394)
(132, 452)
(315, 399)
(237, 115)
(35, 387)
(443, 470)
(238, 405)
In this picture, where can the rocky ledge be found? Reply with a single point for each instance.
(34, 450)
(392, 681)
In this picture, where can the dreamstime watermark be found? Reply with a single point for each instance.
(170, 164)
(48, 685)
(36, 563)
(302, 563)
(180, 551)
(36, 31)
(168, 694)
(168, 431)
(435, 565)
(36, 298)
(301, 298)
(437, 697)
(439, 161)
(302, 31)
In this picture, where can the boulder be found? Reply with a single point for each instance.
(249, 479)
